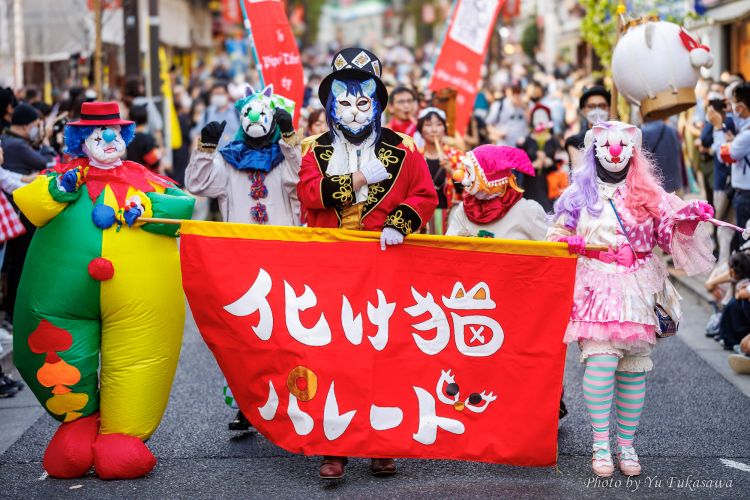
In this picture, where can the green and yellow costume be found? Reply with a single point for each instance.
(94, 285)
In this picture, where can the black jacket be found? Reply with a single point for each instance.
(21, 157)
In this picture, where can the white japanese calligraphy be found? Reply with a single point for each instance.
(383, 418)
(437, 321)
(318, 335)
(352, 325)
(302, 422)
(429, 422)
(268, 410)
(380, 316)
(255, 300)
(487, 348)
(334, 423)
(476, 298)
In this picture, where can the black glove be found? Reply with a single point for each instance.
(211, 134)
(284, 121)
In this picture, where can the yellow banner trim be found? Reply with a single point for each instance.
(325, 235)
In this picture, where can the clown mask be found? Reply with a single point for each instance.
(257, 113)
(355, 106)
(475, 182)
(614, 143)
(105, 145)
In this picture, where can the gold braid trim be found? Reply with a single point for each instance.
(344, 194)
(373, 190)
(396, 220)
(387, 157)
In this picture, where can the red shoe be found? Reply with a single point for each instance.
(119, 456)
(333, 467)
(69, 453)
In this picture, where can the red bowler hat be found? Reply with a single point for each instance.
(100, 113)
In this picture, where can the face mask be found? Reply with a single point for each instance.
(354, 114)
(186, 102)
(737, 113)
(597, 115)
(219, 101)
(105, 145)
(256, 117)
(34, 133)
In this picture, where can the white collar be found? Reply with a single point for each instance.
(104, 166)
(607, 189)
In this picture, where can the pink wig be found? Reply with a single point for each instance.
(643, 196)
(644, 188)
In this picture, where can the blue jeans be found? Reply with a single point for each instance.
(735, 323)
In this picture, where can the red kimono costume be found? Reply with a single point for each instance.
(405, 201)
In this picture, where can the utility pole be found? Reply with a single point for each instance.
(132, 38)
(153, 49)
(97, 4)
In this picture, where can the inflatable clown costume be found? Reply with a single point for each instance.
(99, 284)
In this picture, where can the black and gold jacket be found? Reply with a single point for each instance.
(404, 201)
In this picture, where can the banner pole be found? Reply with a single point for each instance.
(157, 220)
(177, 222)
(254, 52)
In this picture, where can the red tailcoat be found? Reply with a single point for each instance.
(405, 201)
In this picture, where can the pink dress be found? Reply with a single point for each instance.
(614, 303)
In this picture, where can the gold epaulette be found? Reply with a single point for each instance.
(309, 142)
(407, 141)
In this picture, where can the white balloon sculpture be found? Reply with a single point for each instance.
(656, 65)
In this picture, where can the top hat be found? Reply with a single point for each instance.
(95, 114)
(354, 63)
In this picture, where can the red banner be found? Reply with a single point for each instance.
(231, 12)
(439, 348)
(278, 55)
(459, 64)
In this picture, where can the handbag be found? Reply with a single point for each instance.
(667, 326)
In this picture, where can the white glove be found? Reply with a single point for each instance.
(390, 236)
(374, 171)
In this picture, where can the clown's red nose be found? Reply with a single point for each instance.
(615, 150)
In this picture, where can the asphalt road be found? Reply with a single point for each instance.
(693, 423)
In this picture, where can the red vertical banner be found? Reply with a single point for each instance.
(278, 54)
(459, 63)
(231, 12)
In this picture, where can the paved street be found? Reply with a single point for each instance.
(693, 419)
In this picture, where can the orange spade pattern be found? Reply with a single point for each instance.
(55, 372)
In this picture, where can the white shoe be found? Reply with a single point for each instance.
(628, 459)
(601, 460)
(5, 336)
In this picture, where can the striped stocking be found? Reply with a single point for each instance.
(631, 393)
(598, 388)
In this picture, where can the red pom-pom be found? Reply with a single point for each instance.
(119, 456)
(70, 454)
(101, 269)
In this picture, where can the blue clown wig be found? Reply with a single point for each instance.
(76, 135)
(354, 87)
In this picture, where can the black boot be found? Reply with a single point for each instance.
(563, 409)
(240, 423)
